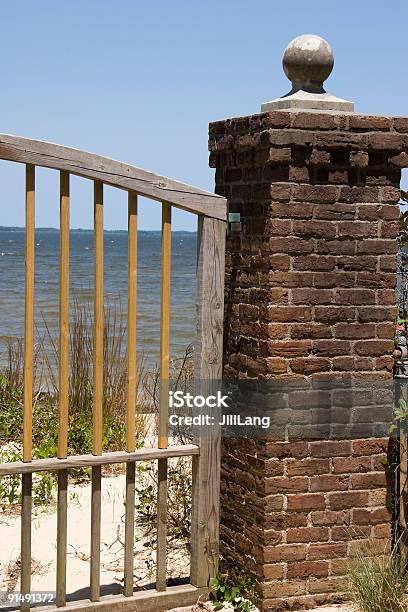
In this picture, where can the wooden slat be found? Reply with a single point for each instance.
(129, 528)
(98, 392)
(26, 507)
(131, 329)
(161, 561)
(165, 326)
(98, 320)
(62, 504)
(111, 172)
(96, 505)
(29, 314)
(131, 393)
(64, 317)
(77, 461)
(208, 371)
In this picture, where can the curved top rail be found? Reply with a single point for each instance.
(111, 172)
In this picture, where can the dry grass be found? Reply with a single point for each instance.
(379, 582)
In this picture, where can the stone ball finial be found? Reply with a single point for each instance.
(307, 61)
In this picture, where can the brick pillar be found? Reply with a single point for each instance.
(310, 296)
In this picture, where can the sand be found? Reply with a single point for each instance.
(44, 528)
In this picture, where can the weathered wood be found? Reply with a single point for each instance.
(111, 172)
(26, 507)
(143, 601)
(62, 505)
(129, 528)
(98, 320)
(161, 552)
(161, 561)
(165, 325)
(64, 317)
(208, 373)
(29, 314)
(131, 328)
(77, 461)
(96, 507)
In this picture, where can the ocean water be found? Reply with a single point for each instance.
(183, 283)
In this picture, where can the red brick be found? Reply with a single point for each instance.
(369, 122)
(327, 551)
(291, 279)
(312, 296)
(307, 467)
(336, 247)
(351, 464)
(313, 262)
(376, 280)
(284, 552)
(382, 531)
(354, 331)
(350, 532)
(400, 124)
(276, 365)
(289, 314)
(281, 484)
(359, 194)
(331, 280)
(310, 331)
(386, 297)
(320, 158)
(308, 534)
(290, 245)
(347, 499)
(306, 502)
(374, 348)
(330, 348)
(367, 516)
(309, 365)
(377, 247)
(376, 313)
(330, 517)
(282, 450)
(385, 141)
(314, 229)
(313, 121)
(297, 348)
(290, 210)
(359, 159)
(331, 448)
(305, 569)
(329, 585)
(373, 480)
(329, 482)
(356, 229)
(314, 193)
(333, 212)
(274, 571)
(355, 296)
(331, 315)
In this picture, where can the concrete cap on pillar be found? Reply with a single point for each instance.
(307, 62)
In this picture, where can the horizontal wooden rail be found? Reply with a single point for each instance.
(142, 601)
(111, 172)
(76, 461)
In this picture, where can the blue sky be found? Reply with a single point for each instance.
(139, 82)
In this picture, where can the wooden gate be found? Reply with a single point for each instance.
(205, 451)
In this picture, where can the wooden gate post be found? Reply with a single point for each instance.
(208, 360)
